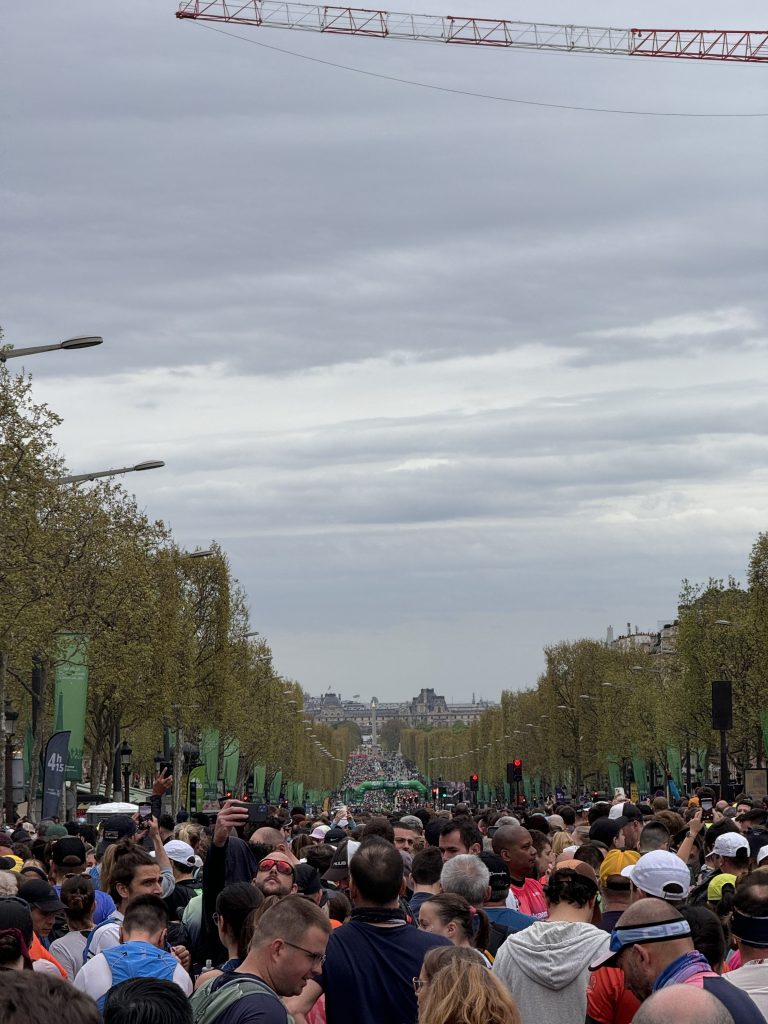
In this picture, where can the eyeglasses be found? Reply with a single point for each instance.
(281, 866)
(418, 984)
(316, 958)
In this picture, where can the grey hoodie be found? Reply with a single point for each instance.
(545, 967)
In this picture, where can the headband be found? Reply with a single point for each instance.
(751, 930)
(659, 932)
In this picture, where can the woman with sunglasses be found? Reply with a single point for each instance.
(454, 987)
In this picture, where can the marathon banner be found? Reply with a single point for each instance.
(54, 772)
(231, 759)
(259, 779)
(209, 755)
(275, 787)
(70, 699)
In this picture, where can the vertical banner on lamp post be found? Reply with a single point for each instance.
(196, 789)
(71, 697)
(54, 772)
(209, 755)
(231, 764)
(259, 778)
(274, 789)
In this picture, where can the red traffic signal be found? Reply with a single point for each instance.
(475, 777)
(517, 763)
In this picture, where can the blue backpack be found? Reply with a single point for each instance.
(137, 959)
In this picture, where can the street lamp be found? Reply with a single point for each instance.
(140, 467)
(81, 341)
(11, 717)
(125, 762)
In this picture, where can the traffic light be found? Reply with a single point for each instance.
(434, 791)
(474, 782)
(517, 770)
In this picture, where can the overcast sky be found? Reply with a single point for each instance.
(450, 379)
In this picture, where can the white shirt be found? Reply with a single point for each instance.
(106, 935)
(752, 978)
(95, 978)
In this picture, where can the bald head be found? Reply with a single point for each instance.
(643, 962)
(514, 845)
(682, 1004)
(268, 836)
(648, 911)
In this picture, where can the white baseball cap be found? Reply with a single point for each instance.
(181, 852)
(660, 873)
(762, 854)
(729, 843)
(319, 832)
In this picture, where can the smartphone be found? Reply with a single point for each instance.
(145, 813)
(257, 813)
(706, 810)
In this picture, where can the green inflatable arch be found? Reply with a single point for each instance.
(358, 792)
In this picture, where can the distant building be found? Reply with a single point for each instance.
(662, 641)
(427, 708)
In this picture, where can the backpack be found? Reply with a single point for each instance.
(497, 936)
(207, 1006)
(87, 954)
(137, 960)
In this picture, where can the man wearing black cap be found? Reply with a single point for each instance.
(753, 824)
(749, 926)
(67, 859)
(45, 904)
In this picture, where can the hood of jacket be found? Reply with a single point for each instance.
(554, 953)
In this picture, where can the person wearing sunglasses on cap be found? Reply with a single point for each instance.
(276, 875)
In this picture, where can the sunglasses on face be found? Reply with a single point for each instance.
(418, 984)
(281, 866)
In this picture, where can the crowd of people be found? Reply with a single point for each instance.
(377, 767)
(606, 914)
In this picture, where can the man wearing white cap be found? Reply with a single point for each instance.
(182, 858)
(661, 874)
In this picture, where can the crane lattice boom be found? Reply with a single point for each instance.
(697, 44)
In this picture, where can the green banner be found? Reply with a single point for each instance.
(259, 778)
(196, 789)
(614, 773)
(231, 764)
(300, 793)
(275, 787)
(209, 755)
(675, 766)
(71, 697)
(28, 744)
(640, 770)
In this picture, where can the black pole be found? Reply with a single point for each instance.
(8, 780)
(725, 789)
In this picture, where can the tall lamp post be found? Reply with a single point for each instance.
(81, 341)
(125, 762)
(11, 717)
(140, 467)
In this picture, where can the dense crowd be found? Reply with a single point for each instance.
(604, 914)
(380, 767)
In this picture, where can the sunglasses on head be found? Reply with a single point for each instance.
(281, 866)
